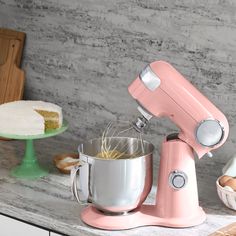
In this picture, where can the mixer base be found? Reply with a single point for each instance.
(142, 217)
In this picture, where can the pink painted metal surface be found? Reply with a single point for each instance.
(143, 217)
(179, 100)
(177, 203)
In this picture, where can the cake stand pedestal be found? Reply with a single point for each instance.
(29, 167)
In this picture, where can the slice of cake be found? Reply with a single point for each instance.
(29, 117)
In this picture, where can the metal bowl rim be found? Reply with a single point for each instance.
(102, 159)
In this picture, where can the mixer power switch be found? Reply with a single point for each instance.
(177, 179)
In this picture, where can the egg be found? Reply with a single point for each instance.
(231, 183)
(223, 179)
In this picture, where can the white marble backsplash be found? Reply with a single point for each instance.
(83, 54)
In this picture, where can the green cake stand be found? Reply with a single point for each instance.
(29, 167)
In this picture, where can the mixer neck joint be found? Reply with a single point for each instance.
(140, 123)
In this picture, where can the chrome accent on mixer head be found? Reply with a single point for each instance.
(140, 123)
(144, 112)
(209, 132)
(149, 78)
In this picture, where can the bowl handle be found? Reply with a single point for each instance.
(73, 174)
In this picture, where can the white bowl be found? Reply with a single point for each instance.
(227, 197)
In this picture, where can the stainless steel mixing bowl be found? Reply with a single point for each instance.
(114, 186)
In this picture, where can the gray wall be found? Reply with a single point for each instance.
(82, 55)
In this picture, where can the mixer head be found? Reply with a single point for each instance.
(161, 91)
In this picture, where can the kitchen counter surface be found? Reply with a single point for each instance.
(48, 202)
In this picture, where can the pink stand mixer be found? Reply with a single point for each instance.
(160, 90)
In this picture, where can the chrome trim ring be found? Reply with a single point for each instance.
(149, 78)
(176, 183)
(202, 129)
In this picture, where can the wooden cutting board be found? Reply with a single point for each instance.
(229, 230)
(5, 36)
(11, 77)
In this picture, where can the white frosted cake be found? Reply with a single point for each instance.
(29, 117)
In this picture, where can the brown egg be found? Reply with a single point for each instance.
(223, 179)
(231, 183)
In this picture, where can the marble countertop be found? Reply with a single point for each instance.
(47, 202)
